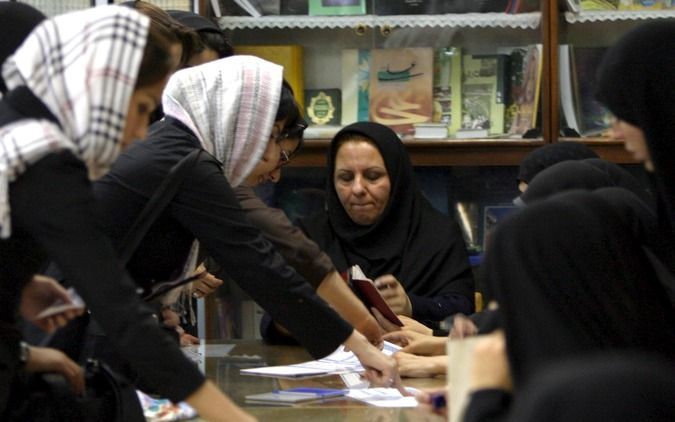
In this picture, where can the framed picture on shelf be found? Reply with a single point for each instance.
(337, 7)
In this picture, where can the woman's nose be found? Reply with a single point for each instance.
(275, 175)
(357, 186)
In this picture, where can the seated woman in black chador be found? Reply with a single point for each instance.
(377, 218)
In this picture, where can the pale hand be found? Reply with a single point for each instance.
(45, 359)
(394, 294)
(490, 366)
(462, 327)
(381, 370)
(408, 324)
(40, 293)
(206, 284)
(413, 366)
(417, 343)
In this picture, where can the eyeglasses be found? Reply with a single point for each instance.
(294, 132)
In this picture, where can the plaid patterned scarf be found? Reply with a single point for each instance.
(230, 104)
(83, 66)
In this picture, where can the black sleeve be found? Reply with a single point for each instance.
(53, 202)
(489, 405)
(206, 205)
(437, 308)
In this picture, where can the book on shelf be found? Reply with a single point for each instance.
(644, 4)
(401, 87)
(472, 134)
(599, 4)
(355, 67)
(288, 56)
(410, 7)
(592, 116)
(367, 291)
(525, 89)
(324, 106)
(321, 132)
(337, 7)
(567, 102)
(431, 131)
(255, 8)
(484, 92)
(448, 87)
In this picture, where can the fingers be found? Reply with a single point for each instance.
(386, 325)
(397, 337)
(205, 285)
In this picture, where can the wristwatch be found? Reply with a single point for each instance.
(24, 353)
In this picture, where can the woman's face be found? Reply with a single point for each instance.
(207, 55)
(279, 149)
(361, 181)
(634, 141)
(143, 102)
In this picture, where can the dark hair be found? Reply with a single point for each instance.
(157, 60)
(216, 41)
(290, 111)
(180, 34)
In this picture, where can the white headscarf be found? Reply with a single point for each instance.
(83, 66)
(230, 104)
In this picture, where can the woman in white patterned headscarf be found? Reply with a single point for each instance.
(241, 113)
(81, 88)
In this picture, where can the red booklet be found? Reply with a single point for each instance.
(367, 291)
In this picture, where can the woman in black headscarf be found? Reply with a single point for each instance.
(548, 155)
(405, 244)
(587, 174)
(637, 84)
(19, 19)
(622, 388)
(570, 279)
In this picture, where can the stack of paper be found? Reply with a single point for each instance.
(338, 362)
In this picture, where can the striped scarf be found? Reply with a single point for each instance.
(230, 104)
(83, 66)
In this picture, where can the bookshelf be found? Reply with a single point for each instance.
(594, 29)
(323, 38)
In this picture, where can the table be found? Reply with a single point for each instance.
(224, 371)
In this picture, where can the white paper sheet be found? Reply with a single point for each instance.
(382, 397)
(338, 362)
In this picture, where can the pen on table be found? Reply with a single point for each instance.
(437, 400)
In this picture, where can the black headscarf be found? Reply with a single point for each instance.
(17, 21)
(570, 279)
(636, 81)
(618, 388)
(421, 247)
(588, 174)
(550, 154)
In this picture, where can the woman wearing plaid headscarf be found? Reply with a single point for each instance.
(81, 88)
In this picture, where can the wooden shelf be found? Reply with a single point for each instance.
(607, 149)
(438, 153)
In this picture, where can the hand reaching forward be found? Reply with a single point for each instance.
(38, 295)
(413, 366)
(45, 359)
(417, 343)
(206, 284)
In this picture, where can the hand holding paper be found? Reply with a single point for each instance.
(48, 305)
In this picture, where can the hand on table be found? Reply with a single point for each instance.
(414, 366)
(394, 294)
(381, 370)
(45, 359)
(417, 343)
(40, 293)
